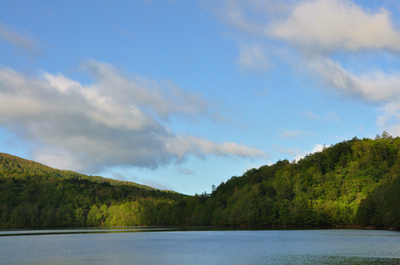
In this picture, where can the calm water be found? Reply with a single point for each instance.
(169, 246)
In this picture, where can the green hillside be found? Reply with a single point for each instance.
(352, 183)
(33, 195)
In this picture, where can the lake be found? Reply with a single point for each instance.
(172, 246)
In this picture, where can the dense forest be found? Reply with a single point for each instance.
(352, 183)
(36, 196)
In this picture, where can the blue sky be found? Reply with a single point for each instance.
(183, 95)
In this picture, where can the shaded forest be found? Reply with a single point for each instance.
(352, 183)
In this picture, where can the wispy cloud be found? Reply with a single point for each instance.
(316, 30)
(184, 171)
(294, 134)
(378, 88)
(252, 16)
(330, 116)
(15, 37)
(118, 120)
(123, 32)
(252, 57)
(374, 87)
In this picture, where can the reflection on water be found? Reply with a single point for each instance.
(135, 245)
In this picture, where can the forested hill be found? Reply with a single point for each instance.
(352, 183)
(355, 182)
(33, 195)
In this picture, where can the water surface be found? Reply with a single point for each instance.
(169, 246)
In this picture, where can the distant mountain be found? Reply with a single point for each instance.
(353, 183)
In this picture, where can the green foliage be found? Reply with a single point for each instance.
(382, 207)
(354, 182)
(36, 196)
(351, 183)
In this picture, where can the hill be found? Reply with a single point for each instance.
(352, 183)
(33, 195)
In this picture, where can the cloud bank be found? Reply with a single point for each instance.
(118, 120)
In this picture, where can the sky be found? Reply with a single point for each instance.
(183, 95)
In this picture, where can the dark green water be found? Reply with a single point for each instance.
(169, 246)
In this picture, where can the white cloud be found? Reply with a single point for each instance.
(315, 149)
(318, 29)
(297, 153)
(181, 145)
(390, 118)
(116, 121)
(329, 25)
(146, 93)
(372, 87)
(379, 88)
(314, 25)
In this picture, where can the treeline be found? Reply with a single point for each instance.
(353, 183)
(43, 202)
